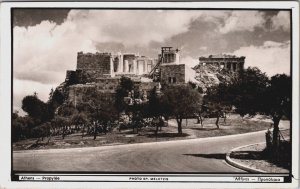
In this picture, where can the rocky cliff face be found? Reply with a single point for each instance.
(212, 75)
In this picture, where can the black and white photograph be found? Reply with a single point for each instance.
(153, 94)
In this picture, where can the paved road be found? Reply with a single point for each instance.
(195, 155)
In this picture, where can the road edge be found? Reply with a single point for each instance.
(239, 165)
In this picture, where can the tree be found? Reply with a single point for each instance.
(79, 119)
(247, 93)
(22, 126)
(254, 93)
(133, 109)
(61, 123)
(56, 98)
(278, 102)
(217, 102)
(51, 94)
(201, 111)
(137, 113)
(154, 104)
(16, 127)
(156, 109)
(126, 85)
(67, 109)
(35, 107)
(102, 118)
(181, 101)
(42, 131)
(99, 110)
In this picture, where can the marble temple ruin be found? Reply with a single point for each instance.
(101, 72)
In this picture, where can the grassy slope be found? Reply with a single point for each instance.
(233, 125)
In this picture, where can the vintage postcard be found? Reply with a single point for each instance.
(150, 94)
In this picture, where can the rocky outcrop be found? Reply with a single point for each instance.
(212, 75)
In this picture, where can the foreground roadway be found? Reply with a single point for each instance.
(194, 155)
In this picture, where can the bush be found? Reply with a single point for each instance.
(281, 156)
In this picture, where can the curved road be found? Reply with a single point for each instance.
(194, 155)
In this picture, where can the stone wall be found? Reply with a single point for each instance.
(145, 87)
(77, 92)
(172, 73)
(105, 90)
(71, 77)
(89, 76)
(107, 84)
(84, 76)
(97, 61)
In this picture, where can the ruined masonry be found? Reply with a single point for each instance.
(229, 62)
(100, 73)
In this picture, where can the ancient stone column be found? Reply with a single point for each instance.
(134, 67)
(231, 66)
(167, 58)
(126, 66)
(138, 64)
(145, 69)
(112, 73)
(120, 69)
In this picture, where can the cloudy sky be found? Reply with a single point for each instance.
(46, 41)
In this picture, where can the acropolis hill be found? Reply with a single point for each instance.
(100, 73)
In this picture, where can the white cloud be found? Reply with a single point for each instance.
(131, 27)
(243, 21)
(189, 61)
(281, 21)
(22, 88)
(42, 53)
(272, 57)
(203, 48)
